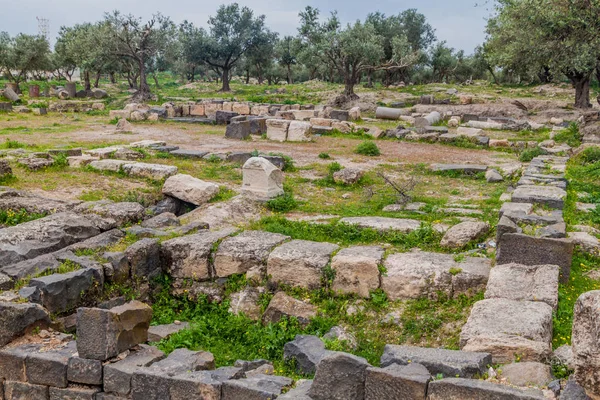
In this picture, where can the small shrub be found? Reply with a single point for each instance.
(324, 156)
(14, 144)
(283, 203)
(530, 154)
(334, 167)
(60, 161)
(368, 148)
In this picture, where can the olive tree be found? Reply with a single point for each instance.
(286, 52)
(23, 55)
(560, 35)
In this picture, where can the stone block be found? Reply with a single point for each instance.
(509, 330)
(306, 352)
(527, 374)
(25, 391)
(238, 130)
(357, 270)
(117, 376)
(85, 371)
(299, 392)
(282, 305)
(300, 263)
(524, 282)
(74, 393)
(194, 154)
(340, 376)
(277, 129)
(241, 108)
(383, 224)
(450, 363)
(526, 250)
(259, 387)
(246, 251)
(188, 256)
(144, 258)
(197, 110)
(150, 171)
(550, 196)
(303, 115)
(397, 382)
(205, 385)
(17, 319)
(299, 131)
(103, 334)
(190, 189)
(341, 115)
(472, 389)
(12, 362)
(49, 368)
(224, 117)
(261, 179)
(586, 342)
(159, 332)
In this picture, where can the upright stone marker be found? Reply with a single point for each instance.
(71, 89)
(262, 180)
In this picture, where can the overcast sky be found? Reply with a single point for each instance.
(460, 22)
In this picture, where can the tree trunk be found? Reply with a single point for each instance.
(545, 76)
(290, 78)
(247, 76)
(193, 73)
(86, 78)
(155, 81)
(582, 92)
(97, 79)
(369, 78)
(349, 89)
(113, 80)
(225, 79)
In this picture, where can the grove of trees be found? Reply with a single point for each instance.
(528, 41)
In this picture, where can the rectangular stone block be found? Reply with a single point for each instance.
(397, 382)
(472, 389)
(539, 194)
(277, 129)
(198, 384)
(238, 130)
(450, 363)
(83, 370)
(241, 108)
(12, 362)
(103, 334)
(197, 110)
(357, 270)
(527, 250)
(74, 393)
(49, 368)
(299, 131)
(117, 376)
(25, 391)
(303, 115)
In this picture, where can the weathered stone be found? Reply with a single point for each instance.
(160, 332)
(259, 387)
(390, 113)
(117, 376)
(539, 194)
(248, 250)
(103, 334)
(573, 391)
(527, 250)
(300, 263)
(527, 374)
(74, 393)
(397, 382)
(306, 352)
(340, 376)
(127, 154)
(523, 282)
(25, 391)
(224, 117)
(19, 318)
(155, 382)
(124, 126)
(108, 165)
(122, 213)
(348, 176)
(430, 119)
(464, 168)
(357, 270)
(151, 171)
(508, 329)
(49, 368)
(422, 274)
(588, 243)
(246, 302)
(261, 179)
(586, 342)
(194, 154)
(450, 363)
(188, 256)
(190, 189)
(277, 129)
(493, 176)
(564, 355)
(205, 385)
(12, 362)
(144, 258)
(299, 392)
(64, 292)
(239, 130)
(462, 234)
(383, 224)
(282, 305)
(35, 163)
(85, 371)
(102, 240)
(472, 389)
(299, 131)
(162, 220)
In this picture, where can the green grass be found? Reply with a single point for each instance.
(368, 148)
(569, 136)
(16, 217)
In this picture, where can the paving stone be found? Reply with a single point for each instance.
(259, 387)
(423, 274)
(306, 352)
(524, 282)
(103, 334)
(85, 371)
(246, 251)
(340, 376)
(25, 391)
(151, 171)
(188, 256)
(397, 382)
(450, 363)
(472, 389)
(515, 209)
(527, 250)
(108, 165)
(117, 376)
(18, 318)
(357, 270)
(159, 332)
(383, 224)
(300, 263)
(508, 328)
(462, 234)
(539, 194)
(527, 374)
(464, 168)
(282, 305)
(194, 154)
(122, 212)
